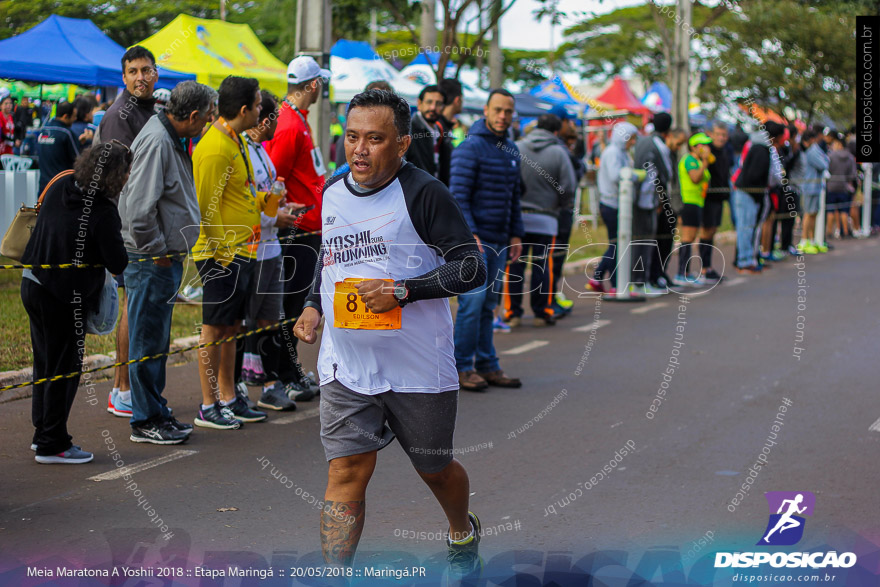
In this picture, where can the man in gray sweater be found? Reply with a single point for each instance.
(160, 216)
(549, 185)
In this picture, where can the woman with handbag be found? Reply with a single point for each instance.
(77, 223)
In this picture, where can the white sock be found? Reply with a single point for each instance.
(226, 403)
(204, 407)
(465, 539)
(115, 390)
(125, 395)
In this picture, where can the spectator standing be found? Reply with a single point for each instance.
(75, 225)
(549, 183)
(807, 172)
(614, 158)
(226, 250)
(750, 183)
(693, 177)
(82, 127)
(653, 156)
(160, 218)
(301, 164)
(57, 146)
(485, 180)
(135, 105)
(717, 194)
(122, 122)
(427, 133)
(452, 131)
(23, 118)
(265, 306)
(8, 141)
(840, 187)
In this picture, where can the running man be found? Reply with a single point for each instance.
(786, 522)
(394, 246)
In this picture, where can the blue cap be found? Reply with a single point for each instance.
(560, 111)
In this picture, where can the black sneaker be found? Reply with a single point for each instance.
(298, 392)
(275, 398)
(158, 433)
(180, 426)
(305, 380)
(241, 391)
(464, 559)
(217, 417)
(242, 412)
(712, 275)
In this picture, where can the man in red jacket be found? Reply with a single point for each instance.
(301, 164)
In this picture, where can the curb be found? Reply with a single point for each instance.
(93, 361)
(90, 362)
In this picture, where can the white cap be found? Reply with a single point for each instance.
(305, 68)
(4, 93)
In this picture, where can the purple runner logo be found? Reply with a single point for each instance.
(786, 524)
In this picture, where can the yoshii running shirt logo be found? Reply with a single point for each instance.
(787, 510)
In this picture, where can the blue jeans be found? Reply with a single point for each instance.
(151, 292)
(473, 323)
(746, 212)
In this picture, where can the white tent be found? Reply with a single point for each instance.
(354, 64)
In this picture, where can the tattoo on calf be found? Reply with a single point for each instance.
(341, 525)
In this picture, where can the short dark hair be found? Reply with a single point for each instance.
(432, 89)
(379, 84)
(662, 122)
(549, 122)
(137, 52)
(103, 168)
(501, 91)
(269, 105)
(63, 109)
(300, 87)
(399, 107)
(719, 124)
(451, 88)
(234, 93)
(83, 105)
(676, 132)
(809, 135)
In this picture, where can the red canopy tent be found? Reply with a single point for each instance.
(616, 103)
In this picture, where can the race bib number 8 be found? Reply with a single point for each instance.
(349, 310)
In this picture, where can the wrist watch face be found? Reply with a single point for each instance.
(400, 291)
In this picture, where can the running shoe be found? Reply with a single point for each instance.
(252, 378)
(275, 398)
(544, 320)
(777, 256)
(242, 412)
(824, 247)
(218, 417)
(72, 456)
(807, 248)
(597, 286)
(179, 426)
(297, 392)
(514, 321)
(242, 392)
(749, 270)
(711, 276)
(158, 433)
(563, 302)
(793, 251)
(498, 325)
(558, 311)
(306, 380)
(117, 406)
(464, 559)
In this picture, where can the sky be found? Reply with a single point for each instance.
(520, 31)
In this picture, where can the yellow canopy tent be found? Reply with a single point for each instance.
(214, 49)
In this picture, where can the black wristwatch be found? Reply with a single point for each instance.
(401, 293)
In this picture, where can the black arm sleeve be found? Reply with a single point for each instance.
(441, 225)
(313, 300)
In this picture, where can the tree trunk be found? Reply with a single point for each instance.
(496, 57)
(429, 28)
(680, 72)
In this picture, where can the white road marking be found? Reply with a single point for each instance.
(138, 467)
(875, 427)
(734, 281)
(588, 327)
(648, 308)
(524, 348)
(297, 417)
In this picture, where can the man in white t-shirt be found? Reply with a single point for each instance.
(394, 246)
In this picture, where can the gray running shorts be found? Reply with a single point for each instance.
(353, 423)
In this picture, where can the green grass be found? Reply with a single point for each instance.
(15, 351)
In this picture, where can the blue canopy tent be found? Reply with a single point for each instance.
(70, 50)
(658, 97)
(555, 91)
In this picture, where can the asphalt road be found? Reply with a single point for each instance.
(535, 455)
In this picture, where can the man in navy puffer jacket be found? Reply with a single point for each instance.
(485, 180)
